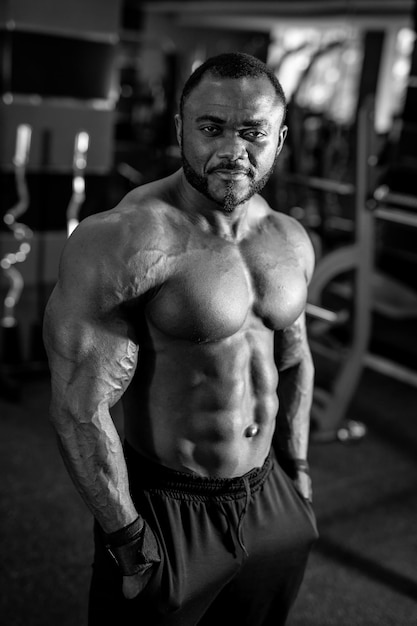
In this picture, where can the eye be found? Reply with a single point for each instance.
(253, 135)
(210, 130)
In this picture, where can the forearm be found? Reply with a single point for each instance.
(93, 454)
(295, 393)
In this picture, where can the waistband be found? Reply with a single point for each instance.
(152, 476)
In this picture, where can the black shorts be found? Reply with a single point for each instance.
(233, 551)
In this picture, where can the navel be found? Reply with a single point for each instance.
(252, 430)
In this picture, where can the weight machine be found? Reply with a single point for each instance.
(330, 405)
(345, 290)
(372, 203)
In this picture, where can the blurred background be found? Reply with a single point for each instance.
(88, 93)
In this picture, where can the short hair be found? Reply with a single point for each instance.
(233, 65)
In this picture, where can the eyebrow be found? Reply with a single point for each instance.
(219, 120)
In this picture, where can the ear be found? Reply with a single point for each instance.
(282, 135)
(178, 128)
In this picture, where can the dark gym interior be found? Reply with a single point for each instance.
(88, 94)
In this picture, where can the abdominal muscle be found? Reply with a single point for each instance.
(208, 408)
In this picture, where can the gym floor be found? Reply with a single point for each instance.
(362, 572)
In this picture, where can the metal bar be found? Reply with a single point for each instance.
(393, 215)
(323, 314)
(285, 8)
(383, 194)
(392, 369)
(35, 100)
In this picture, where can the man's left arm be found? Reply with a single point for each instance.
(295, 391)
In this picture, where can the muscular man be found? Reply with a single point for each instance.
(187, 302)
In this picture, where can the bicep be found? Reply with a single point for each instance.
(291, 345)
(92, 358)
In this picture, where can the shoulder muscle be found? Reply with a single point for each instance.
(296, 235)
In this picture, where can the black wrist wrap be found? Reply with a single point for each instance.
(133, 548)
(301, 465)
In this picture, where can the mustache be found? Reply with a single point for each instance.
(232, 167)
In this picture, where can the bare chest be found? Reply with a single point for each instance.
(212, 291)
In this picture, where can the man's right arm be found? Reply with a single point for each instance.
(92, 359)
(91, 362)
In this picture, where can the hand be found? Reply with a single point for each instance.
(133, 585)
(302, 483)
(141, 554)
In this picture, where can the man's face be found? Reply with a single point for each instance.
(230, 136)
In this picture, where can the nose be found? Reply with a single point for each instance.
(232, 148)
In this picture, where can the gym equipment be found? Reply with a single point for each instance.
(66, 85)
(11, 341)
(81, 145)
(352, 260)
(371, 204)
(346, 288)
(399, 209)
(330, 405)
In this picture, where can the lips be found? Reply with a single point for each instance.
(231, 174)
(230, 171)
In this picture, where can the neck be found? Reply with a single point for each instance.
(210, 215)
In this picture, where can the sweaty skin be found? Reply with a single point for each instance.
(187, 311)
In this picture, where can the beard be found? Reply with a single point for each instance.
(231, 198)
